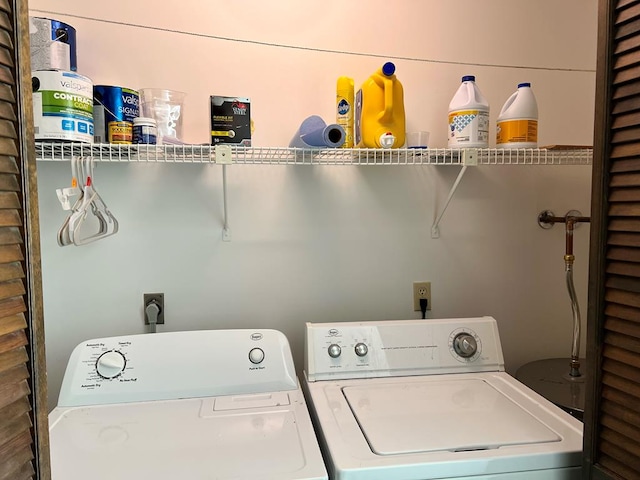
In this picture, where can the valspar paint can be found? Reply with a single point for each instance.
(62, 106)
(53, 45)
(114, 109)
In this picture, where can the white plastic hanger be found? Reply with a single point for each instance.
(88, 202)
(65, 194)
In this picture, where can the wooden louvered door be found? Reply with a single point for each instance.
(612, 411)
(23, 413)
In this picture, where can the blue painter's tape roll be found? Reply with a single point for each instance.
(315, 133)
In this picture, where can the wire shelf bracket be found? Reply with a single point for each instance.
(469, 158)
(223, 156)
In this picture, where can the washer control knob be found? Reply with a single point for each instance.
(361, 349)
(256, 355)
(334, 350)
(110, 364)
(465, 345)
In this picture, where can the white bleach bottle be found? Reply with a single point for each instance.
(468, 116)
(518, 120)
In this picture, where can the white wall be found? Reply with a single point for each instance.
(326, 243)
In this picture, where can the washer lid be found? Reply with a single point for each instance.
(183, 439)
(453, 415)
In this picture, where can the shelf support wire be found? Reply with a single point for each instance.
(226, 233)
(223, 155)
(469, 158)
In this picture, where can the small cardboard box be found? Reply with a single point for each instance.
(230, 120)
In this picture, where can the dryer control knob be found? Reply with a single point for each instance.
(361, 349)
(256, 355)
(334, 350)
(465, 345)
(110, 364)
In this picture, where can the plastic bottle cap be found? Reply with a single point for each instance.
(387, 140)
(388, 69)
(144, 120)
(469, 78)
(527, 84)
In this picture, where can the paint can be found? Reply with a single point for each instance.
(114, 109)
(53, 45)
(62, 106)
(145, 130)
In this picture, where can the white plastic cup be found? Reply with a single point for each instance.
(418, 139)
(167, 108)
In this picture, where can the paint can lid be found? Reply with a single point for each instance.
(144, 121)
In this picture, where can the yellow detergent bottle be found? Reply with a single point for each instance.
(380, 119)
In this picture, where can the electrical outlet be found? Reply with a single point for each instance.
(421, 290)
(158, 299)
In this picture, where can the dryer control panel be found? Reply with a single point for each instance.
(402, 347)
(172, 365)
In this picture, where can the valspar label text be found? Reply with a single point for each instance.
(114, 109)
(62, 106)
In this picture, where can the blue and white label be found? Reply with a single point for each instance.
(343, 107)
(62, 106)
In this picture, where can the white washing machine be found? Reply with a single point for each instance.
(218, 404)
(429, 399)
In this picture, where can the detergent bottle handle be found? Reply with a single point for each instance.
(508, 103)
(387, 85)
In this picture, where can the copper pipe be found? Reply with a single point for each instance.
(570, 221)
(568, 233)
(547, 218)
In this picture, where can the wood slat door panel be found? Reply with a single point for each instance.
(624, 239)
(23, 422)
(625, 91)
(627, 45)
(627, 11)
(9, 360)
(8, 164)
(16, 454)
(626, 269)
(612, 411)
(627, 60)
(12, 323)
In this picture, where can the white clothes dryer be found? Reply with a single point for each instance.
(429, 399)
(216, 404)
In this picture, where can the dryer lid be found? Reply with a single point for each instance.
(191, 438)
(451, 415)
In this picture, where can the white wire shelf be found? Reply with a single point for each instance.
(54, 151)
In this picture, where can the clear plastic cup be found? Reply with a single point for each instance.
(418, 139)
(167, 108)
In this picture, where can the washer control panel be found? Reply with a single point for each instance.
(402, 347)
(173, 365)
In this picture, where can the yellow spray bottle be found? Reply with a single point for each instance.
(344, 108)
